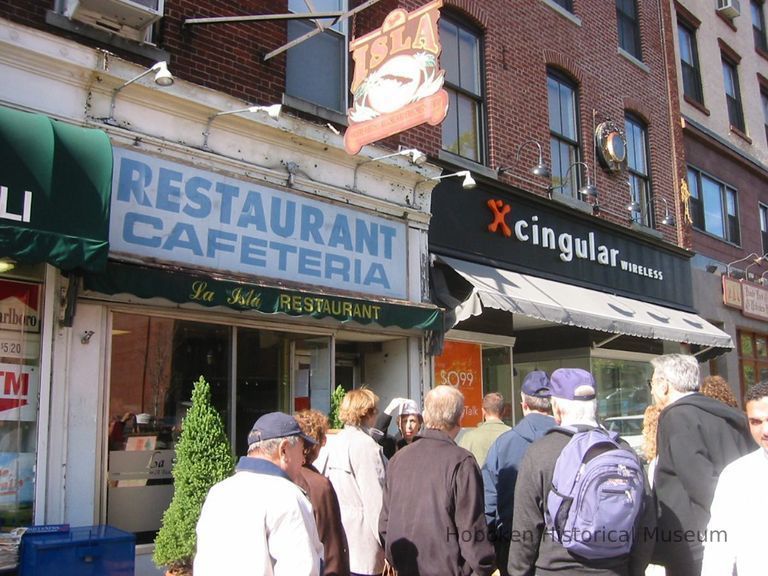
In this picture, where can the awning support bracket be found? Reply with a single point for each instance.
(606, 341)
(316, 16)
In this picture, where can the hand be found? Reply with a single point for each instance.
(395, 406)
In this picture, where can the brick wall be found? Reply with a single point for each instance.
(521, 39)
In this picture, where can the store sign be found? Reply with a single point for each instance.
(165, 211)
(732, 295)
(17, 478)
(526, 234)
(19, 307)
(398, 83)
(461, 366)
(755, 301)
(19, 389)
(182, 288)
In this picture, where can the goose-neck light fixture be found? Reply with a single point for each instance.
(416, 157)
(468, 183)
(163, 77)
(754, 256)
(589, 190)
(272, 111)
(669, 218)
(541, 170)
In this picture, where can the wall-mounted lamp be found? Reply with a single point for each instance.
(163, 77)
(6, 265)
(669, 218)
(763, 279)
(85, 337)
(751, 256)
(756, 262)
(589, 190)
(468, 182)
(272, 111)
(541, 169)
(416, 157)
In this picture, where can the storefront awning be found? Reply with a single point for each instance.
(183, 287)
(575, 306)
(55, 182)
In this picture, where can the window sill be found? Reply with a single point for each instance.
(563, 12)
(466, 164)
(728, 21)
(574, 203)
(314, 109)
(741, 134)
(698, 105)
(643, 229)
(634, 60)
(761, 52)
(146, 50)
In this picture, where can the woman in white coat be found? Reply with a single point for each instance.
(356, 468)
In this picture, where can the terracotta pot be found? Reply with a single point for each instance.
(178, 572)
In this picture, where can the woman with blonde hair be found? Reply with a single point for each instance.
(650, 425)
(356, 468)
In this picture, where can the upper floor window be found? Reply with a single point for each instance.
(629, 27)
(567, 4)
(316, 69)
(689, 63)
(758, 25)
(714, 206)
(764, 227)
(733, 93)
(564, 133)
(764, 99)
(637, 165)
(463, 128)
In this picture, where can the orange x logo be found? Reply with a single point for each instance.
(500, 211)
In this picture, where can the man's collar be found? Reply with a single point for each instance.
(260, 466)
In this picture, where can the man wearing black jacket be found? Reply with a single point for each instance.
(534, 550)
(697, 437)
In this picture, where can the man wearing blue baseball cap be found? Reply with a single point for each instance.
(258, 521)
(504, 457)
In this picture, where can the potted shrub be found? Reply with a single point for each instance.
(333, 416)
(203, 458)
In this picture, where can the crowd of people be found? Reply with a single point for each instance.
(555, 494)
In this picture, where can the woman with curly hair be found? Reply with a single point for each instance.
(718, 388)
(325, 503)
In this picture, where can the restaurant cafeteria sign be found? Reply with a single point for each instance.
(398, 83)
(166, 211)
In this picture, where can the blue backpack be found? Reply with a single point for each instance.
(597, 493)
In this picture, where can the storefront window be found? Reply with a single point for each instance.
(753, 359)
(20, 327)
(154, 363)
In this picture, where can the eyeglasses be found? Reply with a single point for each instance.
(650, 383)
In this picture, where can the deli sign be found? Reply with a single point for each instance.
(398, 83)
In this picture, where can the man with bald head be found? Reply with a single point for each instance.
(432, 521)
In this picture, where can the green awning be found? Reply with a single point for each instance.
(56, 182)
(183, 287)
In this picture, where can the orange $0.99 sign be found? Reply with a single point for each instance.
(461, 366)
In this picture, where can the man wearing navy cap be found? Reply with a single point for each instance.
(258, 521)
(504, 457)
(573, 395)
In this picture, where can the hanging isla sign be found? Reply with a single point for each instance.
(398, 83)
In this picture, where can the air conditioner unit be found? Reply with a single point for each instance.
(729, 8)
(116, 15)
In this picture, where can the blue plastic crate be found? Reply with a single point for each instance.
(81, 551)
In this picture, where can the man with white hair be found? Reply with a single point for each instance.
(258, 521)
(697, 437)
(432, 521)
(534, 548)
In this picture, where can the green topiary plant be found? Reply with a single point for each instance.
(336, 398)
(203, 458)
